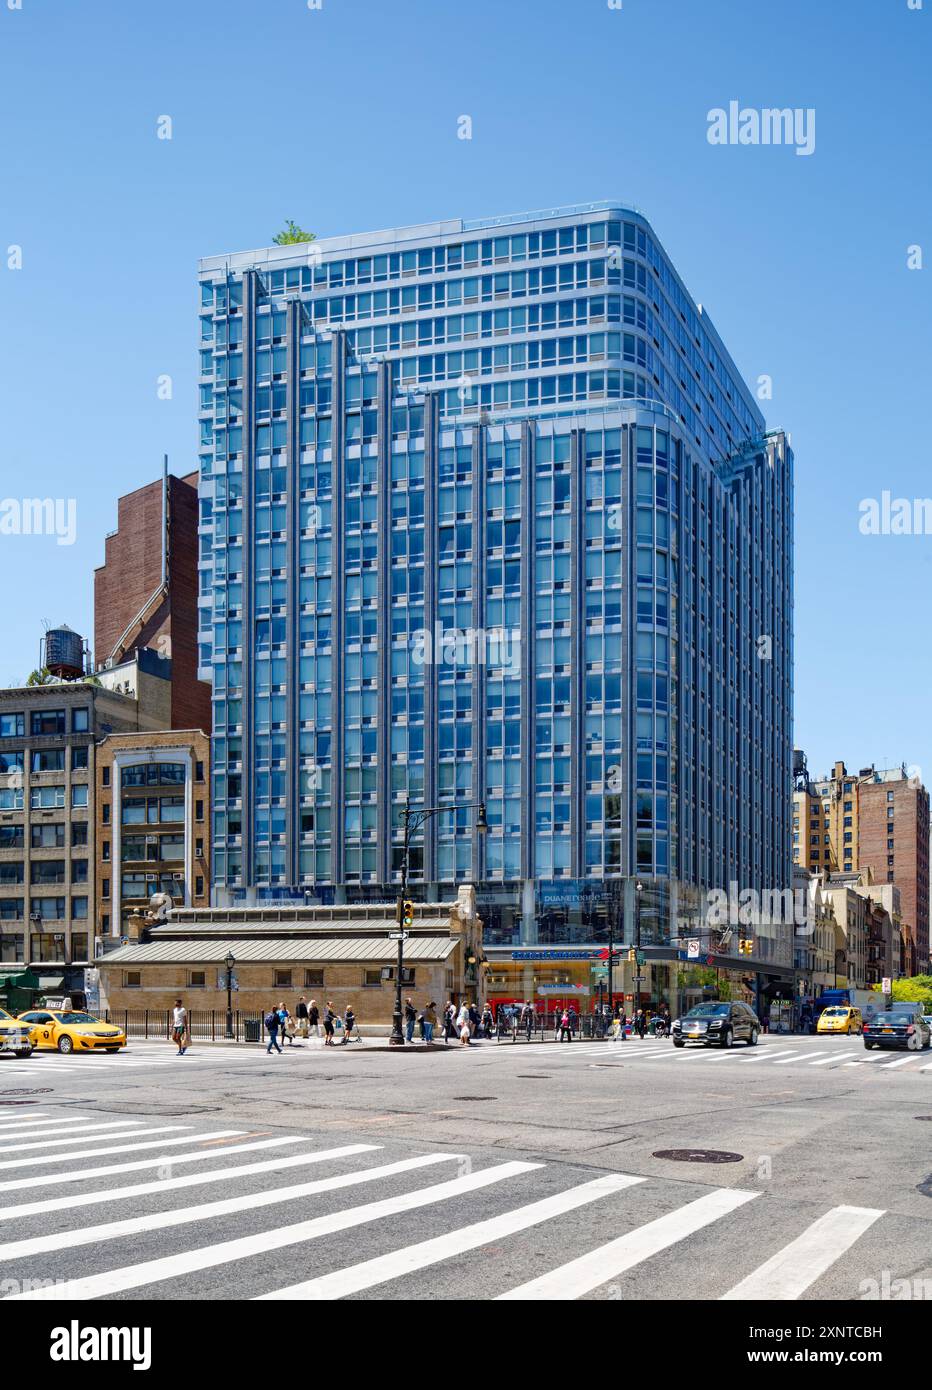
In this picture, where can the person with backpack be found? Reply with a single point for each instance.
(273, 1023)
(410, 1020)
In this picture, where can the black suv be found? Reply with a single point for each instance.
(718, 1023)
(902, 1025)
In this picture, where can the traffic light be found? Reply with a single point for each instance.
(632, 955)
(746, 945)
(407, 915)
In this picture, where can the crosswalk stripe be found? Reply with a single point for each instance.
(125, 1128)
(835, 1057)
(165, 1158)
(902, 1061)
(791, 1271)
(415, 1258)
(46, 1157)
(581, 1276)
(862, 1061)
(183, 1216)
(226, 1252)
(23, 1117)
(796, 1056)
(53, 1125)
(135, 1190)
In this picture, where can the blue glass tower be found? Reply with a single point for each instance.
(487, 512)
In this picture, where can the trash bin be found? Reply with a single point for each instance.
(252, 1029)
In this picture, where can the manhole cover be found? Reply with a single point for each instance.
(698, 1155)
(38, 1091)
(475, 1097)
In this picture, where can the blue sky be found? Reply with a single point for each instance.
(345, 118)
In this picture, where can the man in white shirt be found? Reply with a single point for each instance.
(180, 1027)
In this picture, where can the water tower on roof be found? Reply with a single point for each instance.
(62, 653)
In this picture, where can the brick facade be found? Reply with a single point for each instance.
(894, 844)
(131, 576)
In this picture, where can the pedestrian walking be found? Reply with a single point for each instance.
(273, 1023)
(487, 1022)
(410, 1020)
(180, 1027)
(286, 1023)
(474, 1020)
(574, 1019)
(640, 1023)
(329, 1018)
(566, 1031)
(430, 1021)
(462, 1024)
(350, 1031)
(300, 1014)
(527, 1018)
(313, 1018)
(449, 1021)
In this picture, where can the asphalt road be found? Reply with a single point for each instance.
(529, 1170)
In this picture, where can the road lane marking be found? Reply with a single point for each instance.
(835, 1057)
(93, 1153)
(22, 1130)
(80, 1133)
(412, 1259)
(136, 1276)
(579, 1277)
(219, 1175)
(140, 1164)
(902, 1061)
(797, 1057)
(791, 1271)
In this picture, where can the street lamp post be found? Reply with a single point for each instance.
(638, 889)
(229, 963)
(413, 819)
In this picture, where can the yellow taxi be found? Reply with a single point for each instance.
(839, 1018)
(14, 1036)
(69, 1031)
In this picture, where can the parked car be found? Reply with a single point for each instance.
(902, 1025)
(719, 1023)
(72, 1032)
(14, 1036)
(840, 1018)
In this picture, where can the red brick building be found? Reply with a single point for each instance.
(893, 841)
(145, 593)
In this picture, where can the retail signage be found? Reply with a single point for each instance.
(533, 955)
